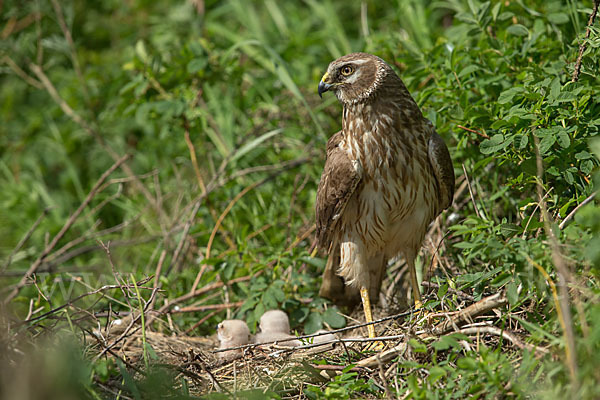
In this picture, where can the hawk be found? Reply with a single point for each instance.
(387, 176)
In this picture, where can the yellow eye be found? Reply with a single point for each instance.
(347, 70)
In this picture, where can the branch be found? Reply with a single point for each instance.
(467, 314)
(583, 44)
(564, 310)
(24, 240)
(36, 264)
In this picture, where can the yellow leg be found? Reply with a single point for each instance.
(415, 286)
(364, 295)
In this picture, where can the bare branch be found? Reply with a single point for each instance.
(36, 264)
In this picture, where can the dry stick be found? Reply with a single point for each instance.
(69, 38)
(383, 357)
(569, 217)
(582, 46)
(128, 330)
(64, 229)
(458, 293)
(328, 367)
(563, 274)
(20, 73)
(207, 307)
(466, 314)
(348, 328)
(165, 308)
(192, 150)
(96, 291)
(24, 240)
(471, 192)
(510, 336)
(37, 70)
(218, 225)
(483, 135)
(201, 321)
(161, 260)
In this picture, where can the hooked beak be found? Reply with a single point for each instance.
(323, 85)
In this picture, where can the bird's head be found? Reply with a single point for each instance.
(233, 330)
(354, 77)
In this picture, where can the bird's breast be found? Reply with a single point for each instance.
(392, 204)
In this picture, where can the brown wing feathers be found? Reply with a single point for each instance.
(338, 182)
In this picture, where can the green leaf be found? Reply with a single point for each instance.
(546, 143)
(507, 96)
(435, 373)
(467, 363)
(511, 293)
(558, 18)
(493, 144)
(563, 139)
(255, 143)
(417, 346)
(509, 229)
(313, 323)
(517, 30)
(333, 318)
(197, 64)
(442, 290)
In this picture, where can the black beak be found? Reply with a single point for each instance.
(323, 87)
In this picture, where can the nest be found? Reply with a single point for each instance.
(288, 371)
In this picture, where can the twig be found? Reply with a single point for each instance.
(128, 330)
(218, 225)
(69, 38)
(471, 192)
(192, 150)
(483, 135)
(207, 307)
(348, 328)
(563, 275)
(66, 108)
(569, 217)
(64, 229)
(24, 240)
(20, 73)
(383, 357)
(70, 302)
(583, 44)
(458, 293)
(198, 292)
(468, 313)
(201, 321)
(510, 336)
(327, 367)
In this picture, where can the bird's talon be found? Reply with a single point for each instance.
(375, 346)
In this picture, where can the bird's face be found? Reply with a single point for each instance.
(232, 330)
(354, 77)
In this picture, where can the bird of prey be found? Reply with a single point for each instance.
(387, 176)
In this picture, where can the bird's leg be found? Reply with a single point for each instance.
(415, 285)
(366, 301)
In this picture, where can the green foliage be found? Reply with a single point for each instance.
(240, 78)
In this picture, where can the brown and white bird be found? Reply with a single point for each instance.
(232, 333)
(387, 176)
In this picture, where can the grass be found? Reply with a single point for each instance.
(217, 107)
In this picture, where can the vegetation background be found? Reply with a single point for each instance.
(216, 104)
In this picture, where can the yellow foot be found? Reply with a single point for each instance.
(375, 346)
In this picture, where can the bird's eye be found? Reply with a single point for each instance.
(347, 70)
